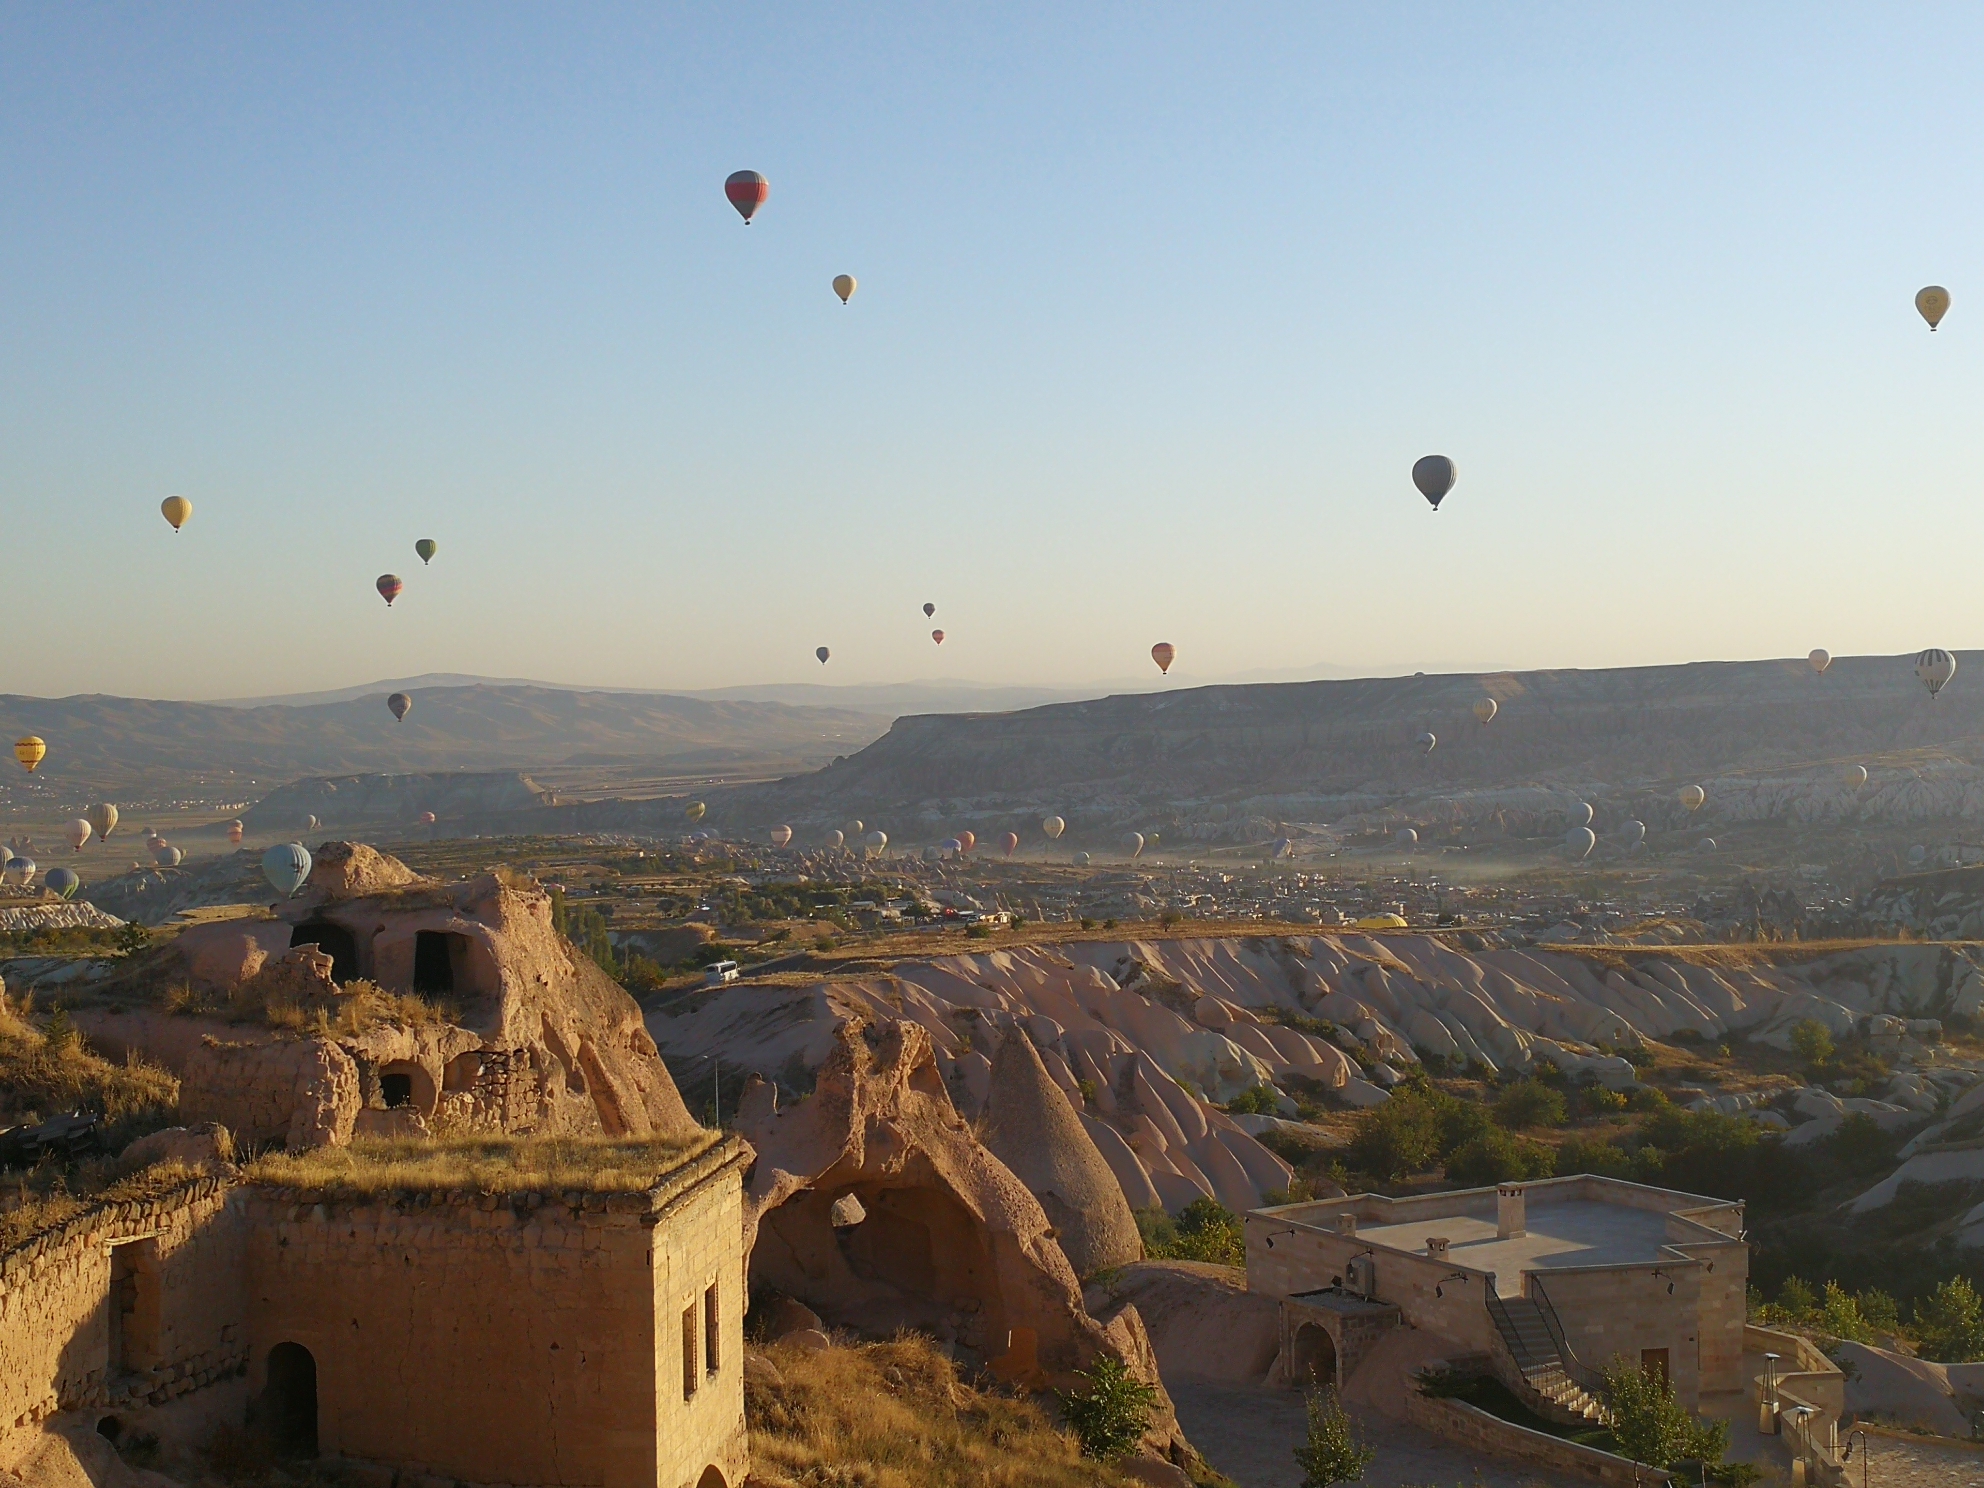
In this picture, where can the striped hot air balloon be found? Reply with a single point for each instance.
(746, 190)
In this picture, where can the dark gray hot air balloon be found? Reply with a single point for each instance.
(1434, 475)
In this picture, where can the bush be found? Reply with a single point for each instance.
(1599, 1101)
(1498, 1157)
(1812, 1042)
(1950, 1325)
(1530, 1103)
(1580, 1155)
(1205, 1230)
(1651, 1426)
(1111, 1416)
(1402, 1136)
(1330, 1453)
(1259, 1100)
(1840, 1316)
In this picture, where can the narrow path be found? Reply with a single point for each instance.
(1250, 1433)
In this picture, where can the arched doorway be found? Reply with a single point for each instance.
(434, 955)
(1314, 1360)
(289, 1400)
(711, 1478)
(334, 941)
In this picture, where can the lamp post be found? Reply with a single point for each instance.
(1767, 1407)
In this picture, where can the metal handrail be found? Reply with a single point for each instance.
(1579, 1372)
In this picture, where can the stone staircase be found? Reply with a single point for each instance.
(1548, 1384)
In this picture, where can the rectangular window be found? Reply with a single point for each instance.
(691, 1376)
(711, 1355)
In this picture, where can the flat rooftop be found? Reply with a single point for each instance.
(1570, 1232)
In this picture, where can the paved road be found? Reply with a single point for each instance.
(1904, 1462)
(1250, 1433)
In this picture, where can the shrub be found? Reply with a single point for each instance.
(1580, 1155)
(1812, 1042)
(1950, 1324)
(1498, 1157)
(1530, 1103)
(1257, 1100)
(1330, 1452)
(1401, 1136)
(1651, 1426)
(1840, 1316)
(1599, 1101)
(1110, 1417)
(1205, 1230)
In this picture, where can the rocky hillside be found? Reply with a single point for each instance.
(1773, 739)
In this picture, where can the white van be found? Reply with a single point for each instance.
(719, 973)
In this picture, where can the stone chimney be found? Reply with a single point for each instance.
(1511, 1211)
(1436, 1246)
(1346, 1224)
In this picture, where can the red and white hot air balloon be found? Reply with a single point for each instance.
(1010, 842)
(235, 832)
(427, 818)
(389, 587)
(746, 190)
(781, 836)
(1162, 653)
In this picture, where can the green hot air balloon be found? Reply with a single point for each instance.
(427, 548)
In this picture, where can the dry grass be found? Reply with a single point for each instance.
(593, 1165)
(26, 1210)
(895, 1415)
(41, 1076)
(355, 1007)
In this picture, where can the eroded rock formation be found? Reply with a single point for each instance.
(949, 1241)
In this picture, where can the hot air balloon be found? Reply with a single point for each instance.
(1581, 814)
(79, 833)
(286, 866)
(1163, 653)
(1820, 660)
(1933, 668)
(1934, 303)
(103, 820)
(874, 842)
(967, 841)
(1053, 826)
(1486, 708)
(30, 752)
(176, 510)
(153, 842)
(1081, 860)
(1580, 841)
(1692, 797)
(401, 705)
(1856, 776)
(389, 587)
(1010, 842)
(64, 882)
(1133, 843)
(310, 823)
(823, 653)
(1434, 475)
(950, 847)
(835, 839)
(929, 609)
(781, 836)
(937, 636)
(1282, 847)
(21, 869)
(168, 856)
(844, 287)
(747, 191)
(1427, 742)
(853, 829)
(235, 832)
(1707, 844)
(1406, 838)
(694, 810)
(1634, 833)
(426, 548)
(427, 818)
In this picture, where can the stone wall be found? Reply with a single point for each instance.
(514, 1339)
(296, 1092)
(1477, 1431)
(66, 1343)
(1622, 1311)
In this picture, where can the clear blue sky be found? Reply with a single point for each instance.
(1157, 308)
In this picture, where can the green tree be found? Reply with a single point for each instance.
(1110, 1417)
(1331, 1453)
(1950, 1324)
(1840, 1315)
(1796, 1301)
(1402, 1136)
(1812, 1042)
(1651, 1426)
(1530, 1103)
(1583, 1155)
(1255, 1100)
(1498, 1156)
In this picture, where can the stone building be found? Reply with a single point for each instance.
(422, 1333)
(1542, 1284)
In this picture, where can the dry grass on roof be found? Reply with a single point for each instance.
(376, 1165)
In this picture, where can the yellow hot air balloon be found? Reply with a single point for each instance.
(176, 510)
(30, 752)
(1486, 708)
(1934, 303)
(844, 287)
(1692, 797)
(103, 820)
(694, 810)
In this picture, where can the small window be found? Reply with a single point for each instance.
(691, 1375)
(711, 1353)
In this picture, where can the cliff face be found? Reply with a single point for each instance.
(1347, 746)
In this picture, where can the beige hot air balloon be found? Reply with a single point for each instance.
(176, 510)
(1053, 826)
(79, 832)
(235, 832)
(781, 836)
(103, 820)
(1486, 709)
(1934, 303)
(1164, 653)
(1820, 660)
(844, 286)
(1692, 797)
